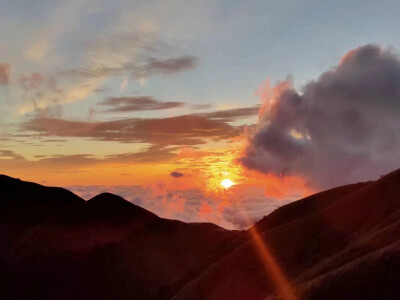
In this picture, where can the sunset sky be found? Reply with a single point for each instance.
(202, 111)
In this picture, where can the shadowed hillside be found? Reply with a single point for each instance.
(339, 244)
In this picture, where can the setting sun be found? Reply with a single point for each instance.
(199, 149)
(227, 183)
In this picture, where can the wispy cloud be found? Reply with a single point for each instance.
(180, 130)
(137, 70)
(8, 154)
(229, 115)
(62, 162)
(77, 63)
(138, 103)
(201, 106)
(4, 73)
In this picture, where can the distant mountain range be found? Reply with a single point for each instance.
(343, 243)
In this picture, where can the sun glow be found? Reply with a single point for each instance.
(226, 183)
(216, 172)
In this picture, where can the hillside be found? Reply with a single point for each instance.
(343, 243)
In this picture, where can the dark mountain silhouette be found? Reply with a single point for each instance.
(343, 243)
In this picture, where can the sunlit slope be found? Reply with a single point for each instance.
(339, 244)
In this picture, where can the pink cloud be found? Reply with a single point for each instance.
(4, 73)
(244, 206)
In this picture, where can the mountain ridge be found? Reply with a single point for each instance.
(328, 246)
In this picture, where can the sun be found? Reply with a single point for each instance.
(226, 183)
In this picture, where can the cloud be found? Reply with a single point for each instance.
(151, 154)
(232, 114)
(138, 58)
(80, 62)
(180, 130)
(343, 127)
(182, 205)
(123, 85)
(168, 66)
(139, 53)
(138, 103)
(137, 69)
(4, 74)
(8, 154)
(176, 174)
(63, 163)
(247, 204)
(40, 92)
(41, 40)
(200, 106)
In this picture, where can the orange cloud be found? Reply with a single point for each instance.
(4, 73)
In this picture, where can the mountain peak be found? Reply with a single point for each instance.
(110, 204)
(108, 199)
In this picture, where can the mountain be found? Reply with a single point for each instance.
(55, 245)
(343, 243)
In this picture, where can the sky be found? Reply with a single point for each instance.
(202, 111)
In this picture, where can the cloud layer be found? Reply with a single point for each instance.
(181, 130)
(343, 128)
(190, 129)
(192, 205)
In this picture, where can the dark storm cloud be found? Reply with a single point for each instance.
(138, 103)
(343, 128)
(4, 74)
(176, 174)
